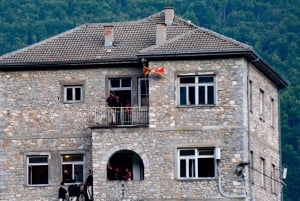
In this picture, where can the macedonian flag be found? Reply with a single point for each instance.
(159, 70)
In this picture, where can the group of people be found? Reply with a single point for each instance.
(116, 104)
(118, 174)
(75, 191)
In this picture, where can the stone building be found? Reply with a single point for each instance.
(202, 124)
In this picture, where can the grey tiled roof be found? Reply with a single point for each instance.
(86, 43)
(199, 40)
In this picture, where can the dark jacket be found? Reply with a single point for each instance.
(73, 190)
(62, 192)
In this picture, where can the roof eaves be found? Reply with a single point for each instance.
(250, 55)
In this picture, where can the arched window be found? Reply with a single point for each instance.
(125, 165)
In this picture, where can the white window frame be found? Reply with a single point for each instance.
(250, 95)
(261, 104)
(272, 112)
(196, 85)
(29, 166)
(120, 87)
(191, 163)
(263, 172)
(141, 101)
(74, 93)
(73, 163)
(273, 179)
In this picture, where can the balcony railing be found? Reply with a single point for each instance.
(118, 116)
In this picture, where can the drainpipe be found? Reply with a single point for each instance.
(221, 189)
(249, 130)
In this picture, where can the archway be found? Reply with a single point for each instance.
(122, 160)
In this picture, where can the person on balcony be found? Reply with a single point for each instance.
(127, 112)
(118, 106)
(111, 102)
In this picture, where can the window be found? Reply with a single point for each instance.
(250, 95)
(261, 104)
(37, 169)
(262, 172)
(272, 117)
(122, 88)
(72, 167)
(252, 166)
(196, 163)
(143, 84)
(73, 93)
(273, 179)
(197, 90)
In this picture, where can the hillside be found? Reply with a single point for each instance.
(272, 27)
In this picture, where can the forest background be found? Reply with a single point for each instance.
(271, 27)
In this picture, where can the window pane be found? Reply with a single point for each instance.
(38, 159)
(67, 173)
(182, 168)
(186, 80)
(182, 96)
(190, 152)
(144, 85)
(77, 93)
(38, 174)
(73, 157)
(206, 151)
(210, 95)
(126, 82)
(78, 173)
(69, 94)
(205, 79)
(201, 95)
(115, 83)
(192, 95)
(192, 168)
(206, 167)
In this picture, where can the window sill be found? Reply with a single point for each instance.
(196, 179)
(195, 106)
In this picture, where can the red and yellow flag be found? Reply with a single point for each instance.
(159, 70)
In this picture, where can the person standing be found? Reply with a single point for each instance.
(62, 192)
(111, 102)
(88, 193)
(73, 191)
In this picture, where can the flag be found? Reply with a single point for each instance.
(159, 70)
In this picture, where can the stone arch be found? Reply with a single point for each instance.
(123, 161)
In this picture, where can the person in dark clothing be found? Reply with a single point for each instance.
(88, 191)
(73, 191)
(118, 105)
(67, 177)
(111, 102)
(62, 192)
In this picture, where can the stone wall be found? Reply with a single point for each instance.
(34, 119)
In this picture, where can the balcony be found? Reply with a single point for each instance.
(122, 116)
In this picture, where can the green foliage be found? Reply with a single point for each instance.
(272, 27)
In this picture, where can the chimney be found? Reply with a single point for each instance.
(161, 33)
(108, 35)
(169, 16)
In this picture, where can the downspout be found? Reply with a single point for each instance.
(221, 189)
(280, 151)
(249, 130)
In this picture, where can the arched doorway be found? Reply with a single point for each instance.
(122, 160)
